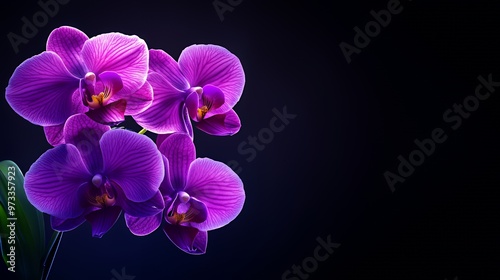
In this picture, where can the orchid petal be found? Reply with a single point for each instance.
(192, 105)
(219, 188)
(187, 122)
(143, 226)
(126, 55)
(160, 138)
(133, 162)
(41, 90)
(66, 224)
(146, 208)
(139, 101)
(54, 134)
(84, 134)
(180, 151)
(163, 64)
(210, 64)
(112, 82)
(188, 239)
(68, 42)
(220, 125)
(53, 180)
(213, 96)
(197, 211)
(111, 114)
(166, 186)
(103, 220)
(165, 115)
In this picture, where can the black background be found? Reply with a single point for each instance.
(323, 174)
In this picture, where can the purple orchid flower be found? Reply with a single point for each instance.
(200, 195)
(204, 85)
(104, 77)
(94, 176)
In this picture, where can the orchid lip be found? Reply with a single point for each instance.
(174, 215)
(97, 90)
(106, 198)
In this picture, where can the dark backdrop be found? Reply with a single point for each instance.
(322, 177)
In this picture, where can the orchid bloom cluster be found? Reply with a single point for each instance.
(81, 88)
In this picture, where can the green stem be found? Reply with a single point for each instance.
(143, 131)
(49, 260)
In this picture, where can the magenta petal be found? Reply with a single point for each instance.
(66, 224)
(67, 42)
(188, 239)
(146, 208)
(133, 162)
(126, 55)
(112, 81)
(198, 210)
(139, 101)
(210, 64)
(160, 138)
(221, 125)
(187, 122)
(84, 134)
(166, 188)
(52, 182)
(163, 64)
(165, 115)
(54, 134)
(41, 90)
(192, 105)
(214, 96)
(111, 114)
(102, 220)
(219, 188)
(200, 242)
(143, 226)
(180, 151)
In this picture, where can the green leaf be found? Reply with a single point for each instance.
(22, 229)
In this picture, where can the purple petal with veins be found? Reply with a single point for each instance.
(41, 90)
(112, 114)
(188, 239)
(54, 134)
(163, 64)
(219, 188)
(214, 65)
(52, 181)
(143, 226)
(140, 100)
(212, 98)
(165, 113)
(180, 152)
(84, 134)
(67, 42)
(66, 224)
(102, 220)
(133, 162)
(221, 124)
(125, 55)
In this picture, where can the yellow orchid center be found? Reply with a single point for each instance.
(202, 111)
(100, 99)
